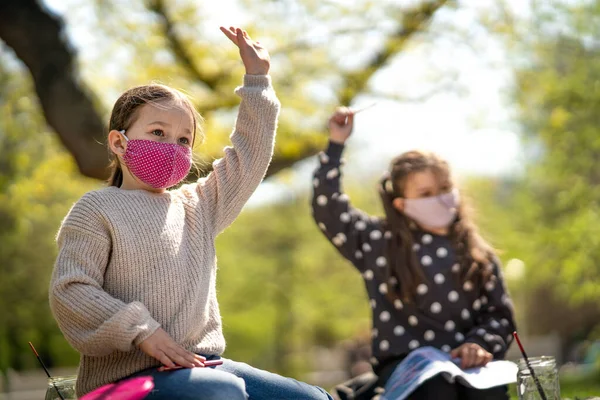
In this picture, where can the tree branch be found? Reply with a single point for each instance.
(179, 49)
(449, 84)
(413, 21)
(36, 37)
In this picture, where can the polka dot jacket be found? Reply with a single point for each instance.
(444, 315)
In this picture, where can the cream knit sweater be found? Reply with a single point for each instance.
(131, 261)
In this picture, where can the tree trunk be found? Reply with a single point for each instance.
(38, 39)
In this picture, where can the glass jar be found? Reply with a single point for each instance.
(546, 373)
(64, 384)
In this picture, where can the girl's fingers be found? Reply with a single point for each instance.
(242, 37)
(198, 360)
(350, 119)
(478, 358)
(342, 113)
(487, 357)
(467, 358)
(230, 34)
(464, 360)
(165, 360)
(181, 360)
(473, 357)
(194, 358)
(455, 353)
(187, 356)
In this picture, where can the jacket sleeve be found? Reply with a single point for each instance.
(495, 319)
(352, 232)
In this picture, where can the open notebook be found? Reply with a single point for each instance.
(427, 362)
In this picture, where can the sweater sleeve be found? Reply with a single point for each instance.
(237, 175)
(494, 324)
(92, 321)
(350, 230)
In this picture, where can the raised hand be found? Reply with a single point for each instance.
(162, 347)
(340, 125)
(471, 355)
(255, 57)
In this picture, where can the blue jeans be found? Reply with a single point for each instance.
(230, 381)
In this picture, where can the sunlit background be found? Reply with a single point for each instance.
(507, 91)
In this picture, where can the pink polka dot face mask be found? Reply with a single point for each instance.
(157, 164)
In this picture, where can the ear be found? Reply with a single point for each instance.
(398, 204)
(117, 142)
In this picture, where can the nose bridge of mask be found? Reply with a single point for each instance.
(449, 199)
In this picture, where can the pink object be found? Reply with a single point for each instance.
(207, 363)
(164, 368)
(130, 389)
(434, 212)
(160, 165)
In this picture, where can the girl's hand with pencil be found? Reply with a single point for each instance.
(471, 355)
(162, 347)
(255, 57)
(341, 124)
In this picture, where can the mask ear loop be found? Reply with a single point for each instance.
(122, 132)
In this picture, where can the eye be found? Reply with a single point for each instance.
(185, 141)
(158, 132)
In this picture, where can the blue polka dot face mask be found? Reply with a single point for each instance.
(435, 211)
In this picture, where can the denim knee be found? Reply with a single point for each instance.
(232, 388)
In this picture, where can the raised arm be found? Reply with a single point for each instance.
(236, 176)
(350, 230)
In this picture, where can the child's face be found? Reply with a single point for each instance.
(163, 123)
(425, 184)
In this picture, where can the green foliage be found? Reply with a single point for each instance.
(559, 95)
(284, 289)
(38, 184)
(548, 215)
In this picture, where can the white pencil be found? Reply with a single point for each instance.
(363, 108)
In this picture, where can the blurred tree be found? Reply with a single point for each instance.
(37, 186)
(171, 38)
(277, 308)
(553, 207)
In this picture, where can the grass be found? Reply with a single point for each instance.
(575, 388)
